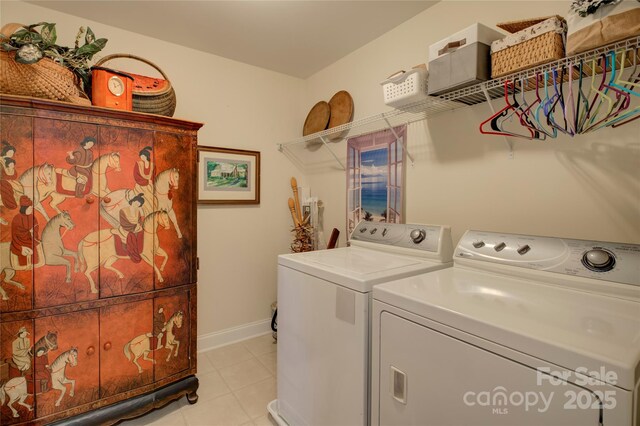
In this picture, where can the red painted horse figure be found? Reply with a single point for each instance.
(140, 346)
(165, 187)
(109, 254)
(50, 248)
(45, 180)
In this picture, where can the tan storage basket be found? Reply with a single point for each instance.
(44, 79)
(542, 49)
(160, 101)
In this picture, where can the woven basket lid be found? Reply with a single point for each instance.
(341, 109)
(317, 119)
(515, 26)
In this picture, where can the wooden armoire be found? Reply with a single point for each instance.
(98, 262)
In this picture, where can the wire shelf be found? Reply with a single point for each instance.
(471, 95)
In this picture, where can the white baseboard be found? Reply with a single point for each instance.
(234, 334)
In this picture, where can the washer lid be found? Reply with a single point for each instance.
(358, 268)
(570, 328)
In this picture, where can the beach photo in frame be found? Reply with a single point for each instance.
(375, 177)
(228, 176)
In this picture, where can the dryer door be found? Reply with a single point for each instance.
(429, 378)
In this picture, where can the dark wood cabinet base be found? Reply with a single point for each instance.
(137, 406)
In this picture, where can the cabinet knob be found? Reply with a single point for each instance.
(91, 350)
(107, 346)
(89, 200)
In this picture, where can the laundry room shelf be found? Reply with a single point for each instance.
(301, 150)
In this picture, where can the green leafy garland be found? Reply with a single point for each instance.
(32, 45)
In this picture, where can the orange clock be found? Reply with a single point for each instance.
(111, 88)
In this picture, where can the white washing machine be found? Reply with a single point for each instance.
(523, 330)
(324, 306)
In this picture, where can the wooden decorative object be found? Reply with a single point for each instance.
(296, 198)
(111, 89)
(341, 111)
(294, 215)
(112, 335)
(317, 119)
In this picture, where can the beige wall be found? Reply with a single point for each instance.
(242, 107)
(585, 187)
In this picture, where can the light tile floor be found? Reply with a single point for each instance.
(236, 384)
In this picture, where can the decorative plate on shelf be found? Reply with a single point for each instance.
(341, 111)
(317, 119)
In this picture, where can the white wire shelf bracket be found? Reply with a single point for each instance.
(471, 95)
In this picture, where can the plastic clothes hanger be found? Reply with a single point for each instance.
(618, 82)
(582, 100)
(617, 107)
(600, 95)
(530, 113)
(526, 119)
(558, 99)
(545, 104)
(494, 120)
(622, 119)
(570, 106)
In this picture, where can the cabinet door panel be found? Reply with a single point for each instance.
(125, 267)
(171, 329)
(16, 179)
(67, 209)
(16, 372)
(126, 347)
(67, 375)
(175, 194)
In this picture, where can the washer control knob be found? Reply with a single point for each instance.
(499, 246)
(363, 229)
(374, 230)
(598, 260)
(478, 244)
(384, 232)
(524, 250)
(417, 235)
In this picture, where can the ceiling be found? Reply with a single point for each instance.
(298, 38)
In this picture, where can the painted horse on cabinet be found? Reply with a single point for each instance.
(53, 252)
(109, 253)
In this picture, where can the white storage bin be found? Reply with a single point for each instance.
(462, 59)
(405, 88)
(476, 33)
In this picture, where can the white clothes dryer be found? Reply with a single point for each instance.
(324, 306)
(523, 330)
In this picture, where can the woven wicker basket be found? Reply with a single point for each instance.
(545, 48)
(158, 98)
(44, 79)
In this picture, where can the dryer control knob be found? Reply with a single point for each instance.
(417, 235)
(598, 260)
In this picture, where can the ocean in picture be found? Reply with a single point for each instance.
(374, 181)
(374, 197)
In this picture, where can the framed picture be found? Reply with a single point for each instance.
(375, 178)
(228, 176)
